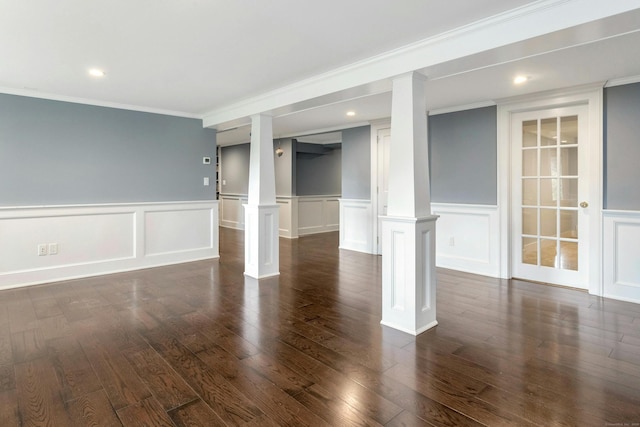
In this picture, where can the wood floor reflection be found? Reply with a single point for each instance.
(567, 259)
(195, 344)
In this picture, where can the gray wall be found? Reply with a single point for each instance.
(285, 167)
(235, 169)
(463, 157)
(356, 163)
(319, 174)
(54, 152)
(622, 147)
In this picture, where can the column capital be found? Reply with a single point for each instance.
(261, 115)
(416, 75)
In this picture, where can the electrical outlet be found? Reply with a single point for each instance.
(42, 249)
(206, 160)
(53, 249)
(452, 242)
(206, 180)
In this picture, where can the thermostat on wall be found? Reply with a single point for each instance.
(206, 160)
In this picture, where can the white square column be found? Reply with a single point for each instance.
(261, 244)
(408, 230)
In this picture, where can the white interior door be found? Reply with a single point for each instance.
(384, 143)
(550, 188)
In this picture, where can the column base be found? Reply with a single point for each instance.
(261, 244)
(408, 273)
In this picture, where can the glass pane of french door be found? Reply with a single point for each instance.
(549, 196)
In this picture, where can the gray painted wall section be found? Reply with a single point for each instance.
(622, 147)
(356, 163)
(285, 167)
(319, 174)
(54, 153)
(235, 169)
(463, 157)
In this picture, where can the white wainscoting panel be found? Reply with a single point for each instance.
(177, 231)
(288, 218)
(318, 214)
(232, 212)
(621, 253)
(101, 239)
(298, 215)
(356, 223)
(468, 238)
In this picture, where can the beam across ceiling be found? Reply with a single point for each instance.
(371, 76)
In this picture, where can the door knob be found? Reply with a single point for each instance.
(584, 205)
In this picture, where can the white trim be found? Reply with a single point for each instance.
(468, 238)
(376, 127)
(290, 224)
(465, 107)
(318, 214)
(356, 221)
(590, 95)
(85, 101)
(621, 257)
(623, 81)
(323, 130)
(102, 239)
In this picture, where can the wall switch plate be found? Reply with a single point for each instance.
(206, 160)
(53, 249)
(206, 180)
(42, 249)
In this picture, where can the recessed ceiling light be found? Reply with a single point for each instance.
(351, 113)
(520, 79)
(95, 72)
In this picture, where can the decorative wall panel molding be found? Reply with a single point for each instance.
(468, 238)
(53, 243)
(318, 214)
(298, 215)
(621, 255)
(356, 224)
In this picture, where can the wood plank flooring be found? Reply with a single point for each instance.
(198, 345)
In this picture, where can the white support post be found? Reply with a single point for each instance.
(408, 230)
(261, 245)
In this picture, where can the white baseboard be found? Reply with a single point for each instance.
(621, 255)
(467, 238)
(101, 239)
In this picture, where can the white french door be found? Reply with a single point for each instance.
(550, 171)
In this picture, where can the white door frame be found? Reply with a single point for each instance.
(376, 127)
(584, 95)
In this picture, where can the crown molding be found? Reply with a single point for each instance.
(85, 101)
(623, 81)
(462, 108)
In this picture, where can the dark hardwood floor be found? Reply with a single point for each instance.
(198, 345)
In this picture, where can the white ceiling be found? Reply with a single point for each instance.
(192, 57)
